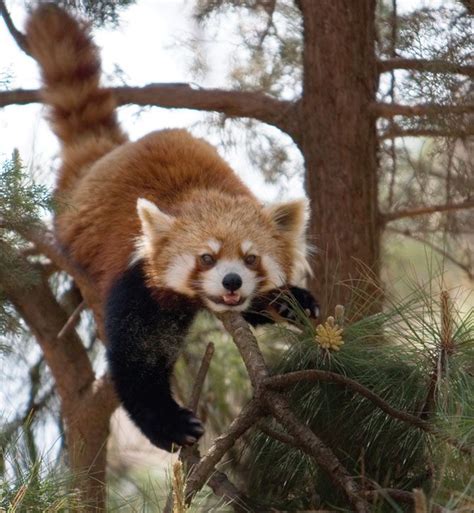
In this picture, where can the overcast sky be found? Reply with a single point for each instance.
(146, 46)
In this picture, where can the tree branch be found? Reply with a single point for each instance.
(282, 437)
(407, 233)
(389, 110)
(393, 216)
(432, 66)
(397, 131)
(190, 456)
(280, 409)
(246, 104)
(205, 468)
(15, 33)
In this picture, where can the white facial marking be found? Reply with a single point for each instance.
(177, 274)
(214, 245)
(212, 280)
(246, 246)
(275, 274)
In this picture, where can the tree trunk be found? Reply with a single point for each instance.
(86, 402)
(338, 140)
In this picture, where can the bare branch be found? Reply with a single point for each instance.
(389, 110)
(407, 233)
(432, 66)
(217, 481)
(246, 104)
(73, 320)
(397, 131)
(201, 376)
(393, 216)
(15, 33)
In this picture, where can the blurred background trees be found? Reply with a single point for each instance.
(370, 106)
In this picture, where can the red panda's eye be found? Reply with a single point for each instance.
(250, 260)
(207, 260)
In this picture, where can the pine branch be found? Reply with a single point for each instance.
(246, 104)
(393, 216)
(293, 378)
(15, 33)
(432, 66)
(389, 110)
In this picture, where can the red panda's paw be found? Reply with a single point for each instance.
(178, 427)
(296, 298)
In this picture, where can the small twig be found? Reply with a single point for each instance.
(73, 320)
(218, 481)
(277, 434)
(200, 378)
(393, 216)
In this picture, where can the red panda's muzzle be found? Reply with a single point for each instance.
(229, 299)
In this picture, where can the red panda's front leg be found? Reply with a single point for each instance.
(146, 329)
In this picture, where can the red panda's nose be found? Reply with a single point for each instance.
(232, 282)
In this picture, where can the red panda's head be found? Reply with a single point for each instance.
(223, 249)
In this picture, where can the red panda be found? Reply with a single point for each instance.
(162, 225)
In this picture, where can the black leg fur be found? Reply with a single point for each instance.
(145, 331)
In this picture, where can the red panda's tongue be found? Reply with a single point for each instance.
(231, 299)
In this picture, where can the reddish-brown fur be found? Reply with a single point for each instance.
(103, 175)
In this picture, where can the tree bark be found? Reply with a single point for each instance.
(339, 142)
(86, 402)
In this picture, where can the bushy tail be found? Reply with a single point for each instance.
(81, 110)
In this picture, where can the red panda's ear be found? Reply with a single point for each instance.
(155, 223)
(291, 218)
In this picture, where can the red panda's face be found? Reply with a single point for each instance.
(225, 251)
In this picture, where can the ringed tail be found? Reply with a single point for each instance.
(82, 113)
